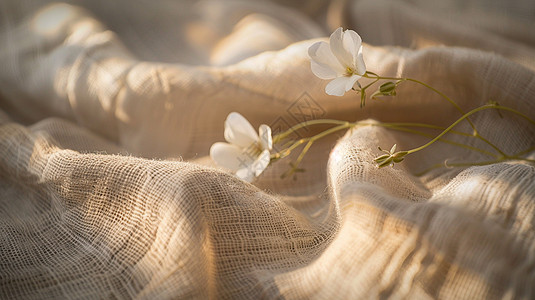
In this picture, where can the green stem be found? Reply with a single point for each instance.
(285, 152)
(310, 141)
(421, 83)
(289, 131)
(525, 151)
(476, 133)
(400, 127)
(503, 155)
(303, 152)
(319, 136)
(442, 140)
(515, 112)
(288, 147)
(465, 116)
(408, 124)
(370, 84)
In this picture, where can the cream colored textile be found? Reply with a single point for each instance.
(108, 110)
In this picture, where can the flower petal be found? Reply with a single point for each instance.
(351, 81)
(256, 168)
(266, 140)
(337, 87)
(322, 71)
(239, 131)
(320, 53)
(261, 162)
(359, 62)
(230, 156)
(352, 43)
(337, 47)
(246, 174)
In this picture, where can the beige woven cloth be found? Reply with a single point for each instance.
(108, 110)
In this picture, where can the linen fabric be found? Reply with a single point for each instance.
(108, 110)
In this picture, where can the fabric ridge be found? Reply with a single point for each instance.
(108, 111)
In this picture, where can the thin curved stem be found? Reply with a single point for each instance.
(400, 126)
(449, 128)
(370, 84)
(285, 152)
(309, 141)
(430, 126)
(476, 133)
(515, 112)
(526, 151)
(421, 83)
(465, 116)
(289, 131)
(443, 140)
(303, 152)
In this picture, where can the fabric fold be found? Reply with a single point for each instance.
(108, 112)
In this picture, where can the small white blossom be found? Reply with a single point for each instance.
(340, 59)
(246, 153)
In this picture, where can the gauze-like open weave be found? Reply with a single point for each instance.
(108, 110)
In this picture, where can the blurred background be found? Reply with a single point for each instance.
(222, 32)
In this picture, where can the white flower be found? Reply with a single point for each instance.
(340, 60)
(246, 153)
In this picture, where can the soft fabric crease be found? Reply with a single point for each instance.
(110, 112)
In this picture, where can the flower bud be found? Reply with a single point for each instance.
(386, 89)
(391, 157)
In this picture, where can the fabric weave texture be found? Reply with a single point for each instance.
(108, 110)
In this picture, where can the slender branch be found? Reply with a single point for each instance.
(421, 83)
(443, 140)
(400, 126)
(292, 129)
(465, 116)
(285, 152)
(450, 127)
(476, 133)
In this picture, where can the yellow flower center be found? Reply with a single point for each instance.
(253, 151)
(349, 71)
